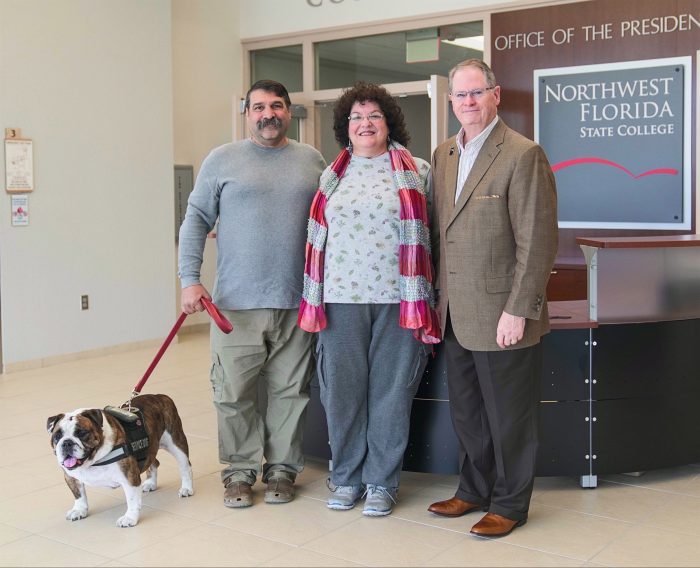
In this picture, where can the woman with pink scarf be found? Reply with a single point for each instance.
(368, 292)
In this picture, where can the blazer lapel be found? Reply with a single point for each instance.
(488, 153)
(451, 171)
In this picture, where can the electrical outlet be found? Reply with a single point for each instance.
(84, 302)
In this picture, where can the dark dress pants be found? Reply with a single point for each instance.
(494, 403)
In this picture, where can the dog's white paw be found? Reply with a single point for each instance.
(76, 514)
(148, 485)
(185, 492)
(127, 521)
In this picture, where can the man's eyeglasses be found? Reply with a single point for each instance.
(373, 117)
(474, 93)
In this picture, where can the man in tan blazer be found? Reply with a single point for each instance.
(495, 241)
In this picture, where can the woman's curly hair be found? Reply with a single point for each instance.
(363, 92)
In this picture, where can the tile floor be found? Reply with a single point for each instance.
(652, 520)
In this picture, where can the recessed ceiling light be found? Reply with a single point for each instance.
(474, 42)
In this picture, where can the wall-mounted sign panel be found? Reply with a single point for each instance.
(19, 165)
(20, 210)
(618, 136)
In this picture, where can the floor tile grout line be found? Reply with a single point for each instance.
(214, 523)
(421, 523)
(533, 548)
(47, 537)
(614, 540)
(116, 528)
(45, 487)
(467, 534)
(636, 486)
(586, 513)
(301, 547)
(24, 536)
(616, 519)
(331, 532)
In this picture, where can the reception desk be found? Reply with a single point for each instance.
(621, 371)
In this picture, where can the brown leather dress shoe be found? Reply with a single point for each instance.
(493, 525)
(454, 507)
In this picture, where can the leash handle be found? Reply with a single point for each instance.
(220, 320)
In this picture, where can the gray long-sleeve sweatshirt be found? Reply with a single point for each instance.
(261, 197)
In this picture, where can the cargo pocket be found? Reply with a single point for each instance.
(419, 365)
(216, 376)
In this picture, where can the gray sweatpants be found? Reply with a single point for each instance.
(267, 345)
(369, 370)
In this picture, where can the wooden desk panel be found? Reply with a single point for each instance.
(567, 284)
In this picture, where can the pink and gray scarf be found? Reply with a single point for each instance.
(417, 308)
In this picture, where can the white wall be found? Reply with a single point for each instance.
(90, 81)
(206, 76)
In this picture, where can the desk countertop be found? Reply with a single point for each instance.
(641, 242)
(570, 315)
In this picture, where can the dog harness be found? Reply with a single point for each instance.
(137, 440)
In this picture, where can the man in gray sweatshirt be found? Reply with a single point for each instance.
(260, 189)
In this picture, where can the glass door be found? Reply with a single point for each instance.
(439, 111)
(426, 109)
(417, 114)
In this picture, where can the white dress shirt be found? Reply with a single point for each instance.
(468, 153)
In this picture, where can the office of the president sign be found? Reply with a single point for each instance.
(618, 138)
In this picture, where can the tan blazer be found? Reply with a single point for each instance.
(494, 249)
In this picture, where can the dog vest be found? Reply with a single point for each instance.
(137, 440)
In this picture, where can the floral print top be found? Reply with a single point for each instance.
(362, 250)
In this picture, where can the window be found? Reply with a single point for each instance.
(382, 58)
(283, 64)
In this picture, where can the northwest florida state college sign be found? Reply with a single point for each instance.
(618, 138)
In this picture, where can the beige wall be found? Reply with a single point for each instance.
(261, 18)
(206, 76)
(113, 94)
(90, 81)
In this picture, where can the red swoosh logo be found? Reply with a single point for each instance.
(593, 160)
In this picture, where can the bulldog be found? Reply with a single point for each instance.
(111, 448)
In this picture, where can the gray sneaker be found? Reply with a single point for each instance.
(344, 496)
(380, 500)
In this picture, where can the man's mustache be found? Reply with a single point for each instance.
(265, 122)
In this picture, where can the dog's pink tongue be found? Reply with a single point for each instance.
(70, 462)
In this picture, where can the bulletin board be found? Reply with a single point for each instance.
(19, 162)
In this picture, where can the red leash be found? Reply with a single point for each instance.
(219, 319)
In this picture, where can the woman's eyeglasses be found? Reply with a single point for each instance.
(372, 117)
